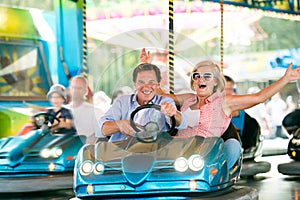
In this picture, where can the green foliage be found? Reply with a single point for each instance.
(282, 33)
(111, 67)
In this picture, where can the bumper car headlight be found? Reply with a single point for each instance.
(45, 153)
(195, 162)
(56, 152)
(99, 168)
(86, 168)
(53, 153)
(181, 164)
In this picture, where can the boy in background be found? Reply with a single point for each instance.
(57, 97)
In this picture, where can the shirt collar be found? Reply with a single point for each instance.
(152, 101)
(213, 97)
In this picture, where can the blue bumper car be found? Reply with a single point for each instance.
(38, 160)
(153, 162)
(252, 142)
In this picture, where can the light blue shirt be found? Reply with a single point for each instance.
(125, 105)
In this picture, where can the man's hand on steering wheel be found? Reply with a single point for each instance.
(168, 109)
(125, 127)
(151, 130)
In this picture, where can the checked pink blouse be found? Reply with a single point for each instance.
(212, 121)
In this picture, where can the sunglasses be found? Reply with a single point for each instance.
(207, 76)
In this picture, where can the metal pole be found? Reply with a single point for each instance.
(222, 35)
(171, 47)
(84, 41)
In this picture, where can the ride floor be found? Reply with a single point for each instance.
(265, 186)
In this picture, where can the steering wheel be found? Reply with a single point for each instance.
(49, 118)
(149, 134)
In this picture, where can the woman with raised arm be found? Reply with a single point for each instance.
(209, 110)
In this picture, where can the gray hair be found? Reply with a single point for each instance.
(218, 75)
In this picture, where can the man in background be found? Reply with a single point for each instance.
(85, 114)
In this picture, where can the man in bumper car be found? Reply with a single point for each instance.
(115, 122)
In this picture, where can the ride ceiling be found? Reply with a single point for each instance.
(200, 20)
(282, 6)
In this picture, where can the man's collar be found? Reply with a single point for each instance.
(152, 101)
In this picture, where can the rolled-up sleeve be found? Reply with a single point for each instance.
(123, 107)
(113, 113)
